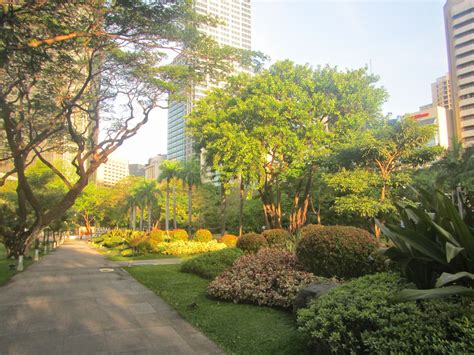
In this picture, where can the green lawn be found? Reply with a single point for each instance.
(5, 272)
(237, 328)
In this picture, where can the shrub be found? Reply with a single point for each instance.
(157, 235)
(127, 252)
(178, 234)
(359, 317)
(271, 277)
(278, 238)
(210, 265)
(339, 251)
(228, 239)
(202, 235)
(139, 238)
(112, 241)
(251, 242)
(180, 247)
(435, 247)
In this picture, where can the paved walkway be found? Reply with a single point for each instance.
(64, 304)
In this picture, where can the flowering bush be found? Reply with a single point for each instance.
(278, 238)
(211, 264)
(251, 242)
(339, 251)
(157, 235)
(272, 277)
(228, 239)
(178, 234)
(180, 247)
(202, 235)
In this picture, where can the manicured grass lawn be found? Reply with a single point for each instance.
(5, 272)
(237, 328)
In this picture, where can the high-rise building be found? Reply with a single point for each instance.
(235, 31)
(152, 169)
(136, 169)
(459, 21)
(441, 92)
(112, 171)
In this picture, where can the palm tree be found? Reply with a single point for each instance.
(169, 171)
(190, 173)
(147, 194)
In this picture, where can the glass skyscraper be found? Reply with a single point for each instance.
(236, 32)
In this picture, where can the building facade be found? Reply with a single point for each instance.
(437, 116)
(136, 169)
(112, 171)
(441, 92)
(152, 169)
(235, 31)
(459, 21)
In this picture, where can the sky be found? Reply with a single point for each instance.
(401, 41)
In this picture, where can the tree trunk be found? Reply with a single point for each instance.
(175, 223)
(134, 216)
(190, 208)
(142, 211)
(167, 209)
(223, 209)
(299, 213)
(149, 215)
(241, 206)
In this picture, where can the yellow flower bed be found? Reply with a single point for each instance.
(180, 247)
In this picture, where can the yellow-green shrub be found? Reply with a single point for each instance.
(202, 235)
(178, 234)
(228, 239)
(157, 235)
(180, 247)
(251, 242)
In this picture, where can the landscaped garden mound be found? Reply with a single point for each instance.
(271, 277)
(211, 264)
(360, 317)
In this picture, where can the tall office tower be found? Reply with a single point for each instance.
(459, 21)
(235, 32)
(441, 92)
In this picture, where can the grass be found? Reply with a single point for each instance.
(5, 272)
(237, 328)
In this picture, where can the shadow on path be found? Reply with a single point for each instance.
(68, 304)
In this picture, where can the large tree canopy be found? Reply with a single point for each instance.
(68, 69)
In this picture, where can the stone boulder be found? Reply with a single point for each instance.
(310, 292)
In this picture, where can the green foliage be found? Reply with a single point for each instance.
(251, 242)
(183, 248)
(359, 318)
(435, 246)
(158, 235)
(271, 277)
(202, 235)
(210, 265)
(277, 238)
(339, 251)
(228, 239)
(127, 253)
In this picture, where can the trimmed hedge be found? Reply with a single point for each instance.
(251, 242)
(178, 234)
(228, 239)
(211, 264)
(202, 235)
(277, 238)
(360, 318)
(336, 251)
(272, 277)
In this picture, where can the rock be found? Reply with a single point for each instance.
(310, 292)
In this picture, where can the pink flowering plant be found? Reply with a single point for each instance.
(272, 277)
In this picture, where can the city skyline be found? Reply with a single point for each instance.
(402, 42)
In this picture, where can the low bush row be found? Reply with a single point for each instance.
(210, 265)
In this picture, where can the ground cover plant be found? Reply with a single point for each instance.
(211, 264)
(232, 326)
(271, 277)
(336, 251)
(360, 317)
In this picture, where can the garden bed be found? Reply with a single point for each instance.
(236, 328)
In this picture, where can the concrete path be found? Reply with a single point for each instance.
(64, 304)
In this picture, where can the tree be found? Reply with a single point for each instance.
(170, 169)
(90, 205)
(146, 193)
(64, 66)
(380, 160)
(190, 174)
(271, 130)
